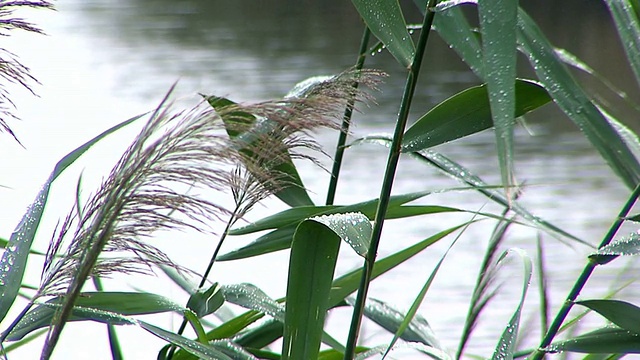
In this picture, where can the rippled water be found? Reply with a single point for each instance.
(103, 62)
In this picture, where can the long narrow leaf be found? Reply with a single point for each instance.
(467, 113)
(498, 28)
(628, 26)
(314, 254)
(607, 340)
(621, 313)
(575, 103)
(506, 345)
(96, 306)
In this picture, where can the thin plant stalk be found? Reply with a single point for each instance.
(203, 281)
(387, 184)
(346, 121)
(583, 278)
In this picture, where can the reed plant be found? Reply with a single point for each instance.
(170, 176)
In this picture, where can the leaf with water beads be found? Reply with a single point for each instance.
(506, 345)
(385, 20)
(353, 228)
(606, 340)
(108, 307)
(251, 297)
(466, 113)
(628, 246)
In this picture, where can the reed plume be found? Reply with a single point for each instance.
(146, 190)
(13, 71)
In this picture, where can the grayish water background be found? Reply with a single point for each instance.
(103, 62)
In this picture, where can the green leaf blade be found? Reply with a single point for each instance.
(385, 19)
(498, 27)
(312, 263)
(467, 113)
(574, 102)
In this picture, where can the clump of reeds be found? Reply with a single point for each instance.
(146, 190)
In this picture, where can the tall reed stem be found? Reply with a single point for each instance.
(387, 184)
(582, 280)
(346, 121)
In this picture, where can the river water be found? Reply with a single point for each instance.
(103, 62)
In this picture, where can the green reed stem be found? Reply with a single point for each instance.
(582, 279)
(387, 184)
(346, 121)
(203, 281)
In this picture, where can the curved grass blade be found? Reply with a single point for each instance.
(467, 113)
(574, 102)
(498, 28)
(621, 313)
(607, 340)
(417, 328)
(314, 253)
(340, 288)
(96, 306)
(243, 125)
(506, 345)
(14, 258)
(385, 20)
(628, 26)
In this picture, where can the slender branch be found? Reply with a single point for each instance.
(387, 184)
(584, 277)
(346, 121)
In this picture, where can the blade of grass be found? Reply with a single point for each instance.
(628, 26)
(498, 28)
(575, 103)
(506, 346)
